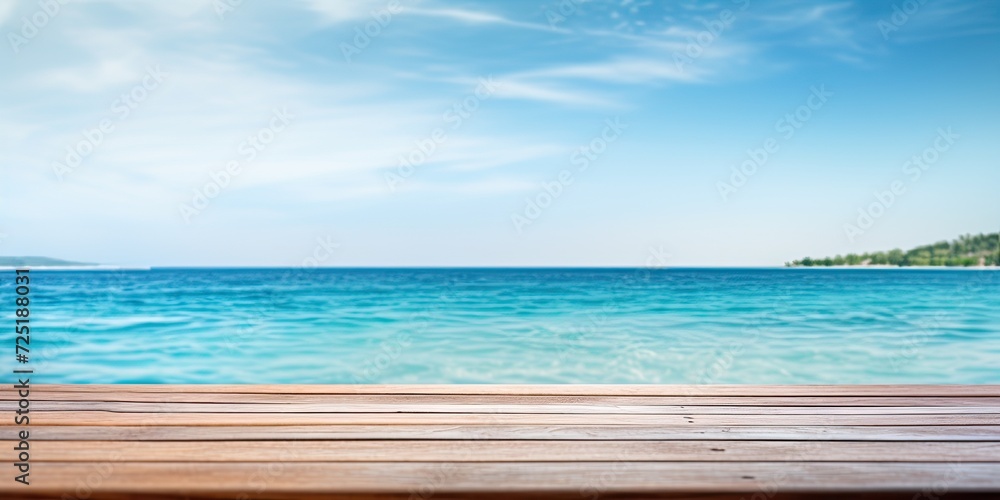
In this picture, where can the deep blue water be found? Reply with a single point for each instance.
(749, 326)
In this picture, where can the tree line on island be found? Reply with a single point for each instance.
(967, 251)
(39, 261)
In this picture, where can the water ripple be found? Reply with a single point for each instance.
(516, 326)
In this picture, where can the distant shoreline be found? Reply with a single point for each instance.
(919, 268)
(77, 268)
(525, 268)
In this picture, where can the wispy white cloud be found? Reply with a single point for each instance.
(6, 10)
(808, 14)
(481, 17)
(105, 74)
(173, 8)
(632, 70)
(488, 186)
(374, 189)
(514, 87)
(468, 155)
(344, 11)
(340, 136)
(518, 86)
(353, 121)
(949, 18)
(348, 10)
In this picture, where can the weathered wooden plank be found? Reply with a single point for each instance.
(41, 418)
(887, 390)
(285, 441)
(519, 432)
(510, 451)
(150, 407)
(493, 399)
(583, 478)
(532, 495)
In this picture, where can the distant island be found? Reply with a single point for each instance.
(967, 251)
(40, 262)
(48, 263)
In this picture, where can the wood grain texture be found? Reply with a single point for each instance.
(511, 451)
(493, 399)
(583, 478)
(42, 418)
(512, 409)
(552, 390)
(347, 441)
(518, 432)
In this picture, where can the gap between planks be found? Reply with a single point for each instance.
(510, 451)
(423, 399)
(510, 409)
(885, 390)
(578, 477)
(507, 432)
(39, 418)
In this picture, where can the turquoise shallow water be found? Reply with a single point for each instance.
(749, 326)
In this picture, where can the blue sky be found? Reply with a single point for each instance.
(494, 133)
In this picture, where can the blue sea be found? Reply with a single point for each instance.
(744, 326)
